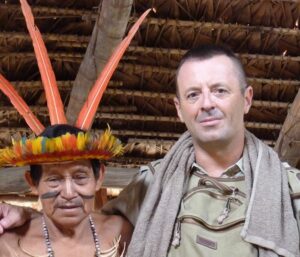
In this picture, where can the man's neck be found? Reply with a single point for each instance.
(63, 232)
(217, 158)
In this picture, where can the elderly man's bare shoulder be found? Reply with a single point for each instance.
(113, 226)
(14, 233)
(9, 241)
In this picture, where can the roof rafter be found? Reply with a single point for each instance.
(136, 117)
(66, 85)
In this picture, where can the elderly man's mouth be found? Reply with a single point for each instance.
(69, 207)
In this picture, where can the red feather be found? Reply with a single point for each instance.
(21, 106)
(87, 113)
(55, 105)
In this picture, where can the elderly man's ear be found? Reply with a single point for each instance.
(30, 182)
(101, 177)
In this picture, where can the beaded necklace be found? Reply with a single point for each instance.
(50, 251)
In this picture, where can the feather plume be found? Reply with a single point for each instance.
(66, 147)
(55, 105)
(87, 113)
(21, 106)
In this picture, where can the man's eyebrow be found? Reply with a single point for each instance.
(218, 84)
(193, 89)
(80, 169)
(52, 172)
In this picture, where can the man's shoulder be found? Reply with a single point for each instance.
(294, 179)
(11, 235)
(9, 239)
(108, 222)
(150, 167)
(112, 225)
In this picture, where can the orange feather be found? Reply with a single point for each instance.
(54, 102)
(87, 113)
(21, 106)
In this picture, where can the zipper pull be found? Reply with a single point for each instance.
(225, 212)
(176, 237)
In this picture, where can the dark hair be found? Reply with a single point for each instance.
(56, 131)
(205, 52)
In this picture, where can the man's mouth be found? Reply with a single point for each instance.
(69, 207)
(209, 121)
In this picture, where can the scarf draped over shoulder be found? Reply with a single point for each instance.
(270, 222)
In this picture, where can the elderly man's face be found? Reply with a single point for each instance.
(67, 191)
(210, 102)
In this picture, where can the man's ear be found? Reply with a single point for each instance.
(101, 177)
(248, 95)
(30, 182)
(177, 105)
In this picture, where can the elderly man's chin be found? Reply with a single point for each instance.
(69, 217)
(68, 221)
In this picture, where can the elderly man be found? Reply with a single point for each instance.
(67, 226)
(66, 169)
(219, 191)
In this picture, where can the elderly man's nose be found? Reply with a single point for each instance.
(68, 190)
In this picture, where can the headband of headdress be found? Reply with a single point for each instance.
(68, 146)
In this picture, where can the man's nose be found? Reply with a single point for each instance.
(68, 191)
(207, 101)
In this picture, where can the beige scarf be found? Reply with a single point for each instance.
(270, 222)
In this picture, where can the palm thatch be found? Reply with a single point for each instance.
(138, 104)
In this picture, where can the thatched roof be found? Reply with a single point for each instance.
(138, 103)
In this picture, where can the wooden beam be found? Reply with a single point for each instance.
(77, 57)
(151, 118)
(137, 135)
(164, 70)
(100, 199)
(63, 85)
(181, 52)
(287, 144)
(43, 110)
(67, 85)
(67, 39)
(12, 179)
(56, 12)
(109, 29)
(222, 26)
(173, 119)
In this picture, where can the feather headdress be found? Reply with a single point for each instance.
(68, 145)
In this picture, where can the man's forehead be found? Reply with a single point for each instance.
(220, 59)
(209, 68)
(67, 165)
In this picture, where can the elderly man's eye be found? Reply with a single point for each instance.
(53, 181)
(81, 179)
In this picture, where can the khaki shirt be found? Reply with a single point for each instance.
(129, 202)
(211, 216)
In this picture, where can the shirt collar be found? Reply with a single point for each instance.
(235, 170)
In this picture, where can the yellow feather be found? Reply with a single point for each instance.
(37, 146)
(50, 145)
(80, 141)
(58, 144)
